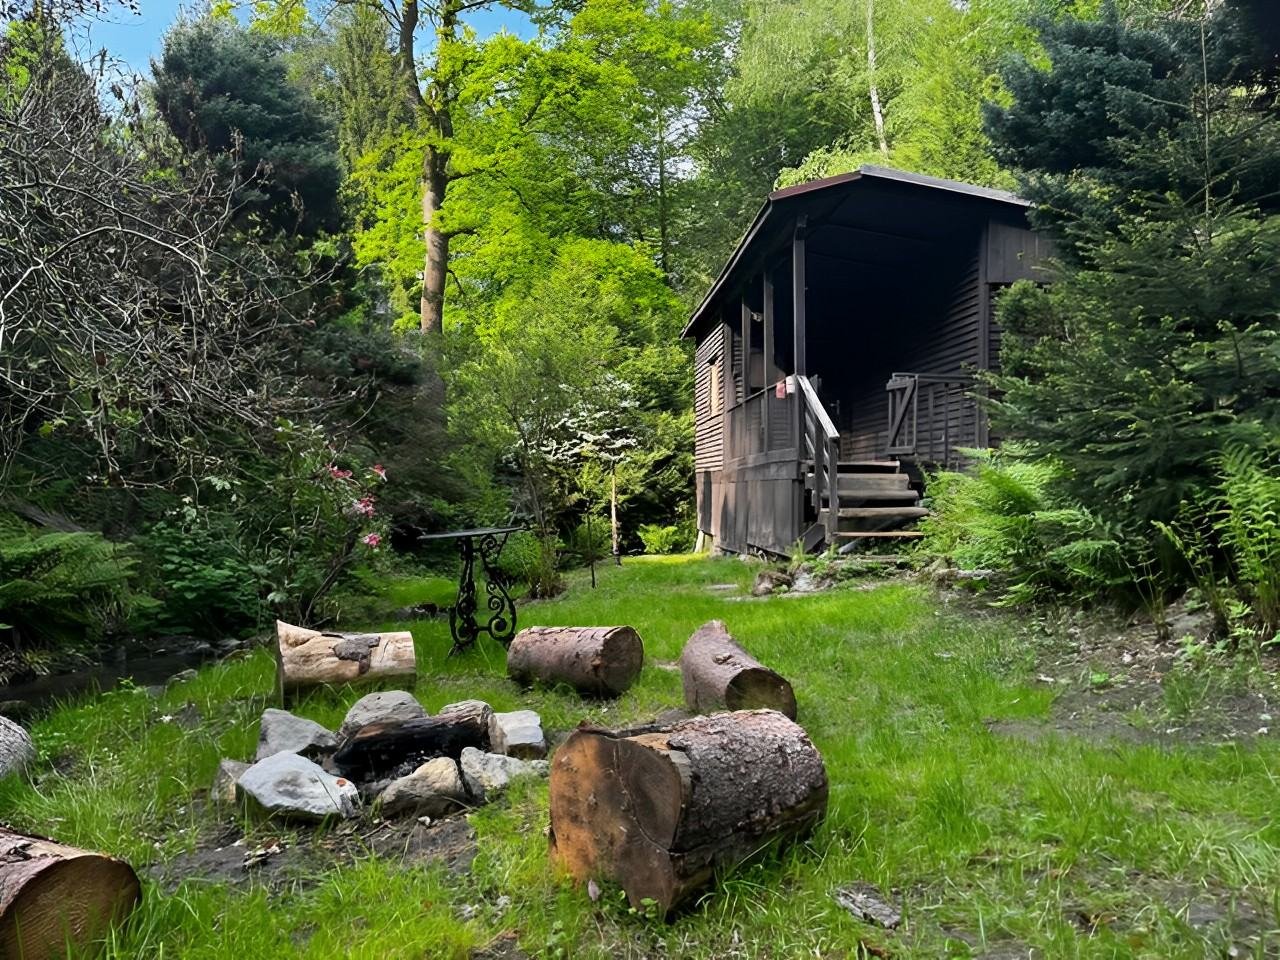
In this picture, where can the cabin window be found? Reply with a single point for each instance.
(717, 387)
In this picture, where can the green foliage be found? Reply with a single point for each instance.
(587, 542)
(58, 588)
(1007, 516)
(673, 538)
(225, 90)
(530, 560)
(1247, 523)
(194, 566)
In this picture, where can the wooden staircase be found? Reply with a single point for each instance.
(849, 500)
(876, 501)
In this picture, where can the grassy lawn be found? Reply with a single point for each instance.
(992, 845)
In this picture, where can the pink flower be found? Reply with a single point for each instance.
(338, 473)
(371, 540)
(363, 507)
(380, 471)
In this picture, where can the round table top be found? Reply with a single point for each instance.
(474, 532)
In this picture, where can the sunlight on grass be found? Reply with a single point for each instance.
(982, 838)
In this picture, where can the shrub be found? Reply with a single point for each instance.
(587, 543)
(194, 568)
(1007, 516)
(674, 538)
(527, 559)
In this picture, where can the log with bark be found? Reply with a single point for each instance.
(308, 658)
(58, 901)
(719, 675)
(660, 810)
(600, 661)
(379, 750)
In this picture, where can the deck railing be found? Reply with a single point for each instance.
(821, 444)
(932, 417)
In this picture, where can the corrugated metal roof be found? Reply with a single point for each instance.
(787, 197)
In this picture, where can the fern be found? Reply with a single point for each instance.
(1007, 516)
(1247, 521)
(58, 586)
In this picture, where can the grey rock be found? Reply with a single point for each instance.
(291, 787)
(223, 790)
(281, 731)
(385, 706)
(867, 904)
(182, 676)
(767, 581)
(434, 789)
(517, 734)
(16, 748)
(489, 774)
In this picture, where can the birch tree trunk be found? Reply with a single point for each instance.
(873, 87)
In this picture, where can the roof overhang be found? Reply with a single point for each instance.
(816, 199)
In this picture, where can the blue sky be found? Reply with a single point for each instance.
(136, 38)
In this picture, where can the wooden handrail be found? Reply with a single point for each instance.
(819, 411)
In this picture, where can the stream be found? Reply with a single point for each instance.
(143, 665)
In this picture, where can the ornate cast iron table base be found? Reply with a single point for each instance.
(498, 619)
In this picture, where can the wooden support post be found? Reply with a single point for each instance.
(767, 364)
(798, 295)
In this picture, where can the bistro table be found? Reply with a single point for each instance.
(485, 543)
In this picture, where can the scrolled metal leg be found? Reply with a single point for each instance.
(462, 617)
(502, 619)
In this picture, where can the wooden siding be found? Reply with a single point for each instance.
(1015, 253)
(708, 442)
(950, 344)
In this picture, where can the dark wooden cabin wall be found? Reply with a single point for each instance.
(708, 441)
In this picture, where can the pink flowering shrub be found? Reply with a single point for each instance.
(315, 519)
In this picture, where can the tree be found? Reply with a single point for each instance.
(137, 327)
(225, 90)
(1156, 350)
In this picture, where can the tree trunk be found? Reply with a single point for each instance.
(435, 269)
(308, 658)
(378, 749)
(613, 516)
(718, 674)
(602, 661)
(57, 901)
(659, 812)
(877, 112)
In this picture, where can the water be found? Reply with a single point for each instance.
(143, 666)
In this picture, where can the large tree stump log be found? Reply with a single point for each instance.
(602, 661)
(57, 901)
(659, 811)
(719, 675)
(381, 749)
(309, 658)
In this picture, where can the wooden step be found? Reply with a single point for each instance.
(879, 493)
(880, 534)
(906, 513)
(869, 466)
(893, 480)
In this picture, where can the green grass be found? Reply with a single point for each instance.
(983, 839)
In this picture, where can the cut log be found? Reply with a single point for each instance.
(57, 901)
(660, 811)
(308, 658)
(381, 750)
(600, 661)
(719, 675)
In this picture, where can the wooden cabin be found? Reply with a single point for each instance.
(836, 355)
